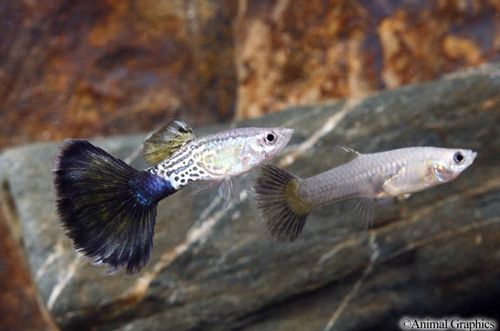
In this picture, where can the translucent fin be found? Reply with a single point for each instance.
(236, 190)
(107, 207)
(166, 141)
(204, 186)
(365, 210)
(229, 190)
(342, 154)
(279, 210)
(403, 197)
(384, 203)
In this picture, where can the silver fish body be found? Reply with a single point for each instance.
(386, 174)
(283, 201)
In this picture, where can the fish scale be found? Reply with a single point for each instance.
(365, 175)
(283, 200)
(211, 158)
(184, 167)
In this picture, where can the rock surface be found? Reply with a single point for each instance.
(113, 66)
(300, 52)
(435, 254)
(19, 306)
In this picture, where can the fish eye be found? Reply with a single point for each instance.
(458, 158)
(270, 138)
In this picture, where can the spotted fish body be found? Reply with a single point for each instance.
(283, 200)
(109, 208)
(223, 155)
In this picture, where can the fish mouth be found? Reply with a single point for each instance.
(473, 155)
(287, 133)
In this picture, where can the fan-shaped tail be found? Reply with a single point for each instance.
(107, 207)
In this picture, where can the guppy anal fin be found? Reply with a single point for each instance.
(365, 210)
(384, 203)
(166, 141)
(229, 190)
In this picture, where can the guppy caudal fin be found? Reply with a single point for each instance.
(280, 211)
(107, 207)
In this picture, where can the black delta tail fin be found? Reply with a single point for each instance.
(107, 207)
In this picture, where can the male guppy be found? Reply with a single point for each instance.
(283, 201)
(108, 208)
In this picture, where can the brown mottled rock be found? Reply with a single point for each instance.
(435, 254)
(87, 68)
(298, 52)
(19, 305)
(97, 67)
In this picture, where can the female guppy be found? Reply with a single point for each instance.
(109, 208)
(283, 201)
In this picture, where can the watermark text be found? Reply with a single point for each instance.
(451, 323)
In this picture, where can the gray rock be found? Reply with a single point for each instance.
(435, 254)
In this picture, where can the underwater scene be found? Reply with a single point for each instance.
(250, 165)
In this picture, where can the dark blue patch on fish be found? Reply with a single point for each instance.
(148, 189)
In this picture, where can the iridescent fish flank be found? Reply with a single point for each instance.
(283, 201)
(219, 157)
(108, 208)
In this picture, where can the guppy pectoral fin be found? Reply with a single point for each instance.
(392, 185)
(229, 190)
(165, 142)
(364, 208)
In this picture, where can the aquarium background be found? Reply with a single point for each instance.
(87, 68)
(90, 69)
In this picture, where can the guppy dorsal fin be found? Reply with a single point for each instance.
(165, 142)
(343, 154)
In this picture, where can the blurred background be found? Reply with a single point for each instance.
(105, 67)
(87, 68)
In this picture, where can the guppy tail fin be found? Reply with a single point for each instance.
(107, 207)
(279, 210)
